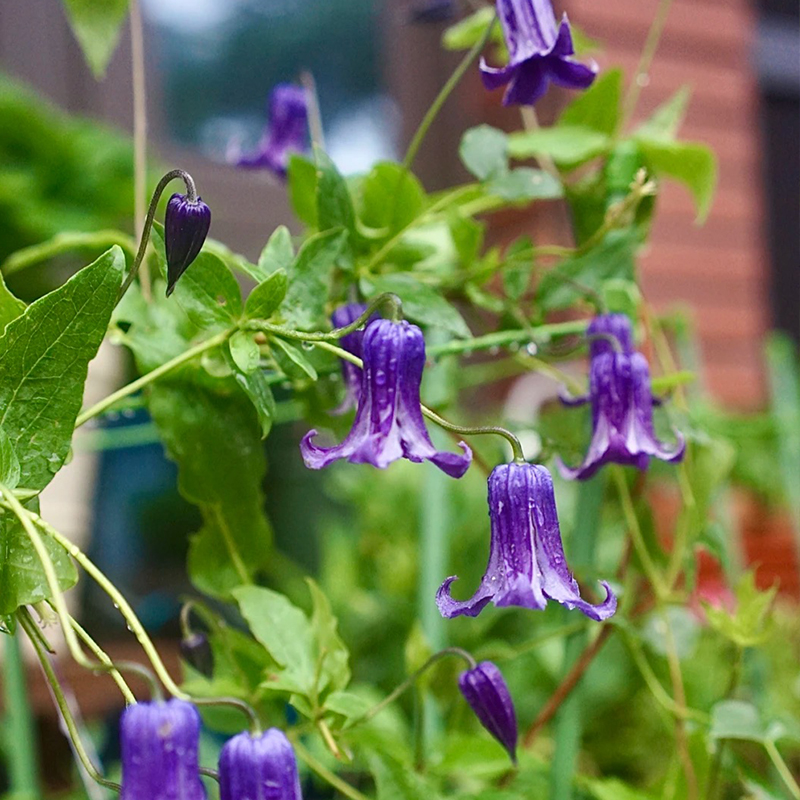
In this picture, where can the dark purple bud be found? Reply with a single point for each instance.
(527, 566)
(186, 226)
(485, 689)
(539, 52)
(622, 403)
(196, 651)
(388, 423)
(258, 768)
(286, 133)
(159, 751)
(433, 11)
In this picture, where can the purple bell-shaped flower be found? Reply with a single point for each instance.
(258, 768)
(539, 52)
(159, 752)
(186, 225)
(352, 342)
(388, 424)
(527, 566)
(622, 403)
(485, 689)
(286, 133)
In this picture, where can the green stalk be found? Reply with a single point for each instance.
(568, 726)
(22, 761)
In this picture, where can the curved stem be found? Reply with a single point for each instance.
(57, 598)
(516, 445)
(191, 196)
(782, 769)
(387, 298)
(139, 126)
(138, 630)
(28, 625)
(411, 680)
(334, 780)
(158, 372)
(104, 659)
(445, 92)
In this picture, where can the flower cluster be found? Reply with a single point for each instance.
(159, 743)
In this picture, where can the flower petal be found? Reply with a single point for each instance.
(571, 74)
(529, 83)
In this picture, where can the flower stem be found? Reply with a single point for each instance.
(158, 372)
(191, 195)
(334, 780)
(782, 769)
(139, 127)
(445, 92)
(645, 61)
(411, 680)
(138, 630)
(28, 625)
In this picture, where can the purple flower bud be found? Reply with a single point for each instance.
(527, 566)
(186, 226)
(622, 403)
(264, 767)
(159, 751)
(485, 689)
(539, 52)
(388, 423)
(196, 651)
(352, 342)
(286, 133)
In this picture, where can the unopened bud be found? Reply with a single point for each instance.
(186, 225)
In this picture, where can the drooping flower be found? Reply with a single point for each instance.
(539, 52)
(352, 342)
(286, 133)
(527, 566)
(159, 751)
(258, 768)
(485, 689)
(186, 225)
(388, 424)
(622, 403)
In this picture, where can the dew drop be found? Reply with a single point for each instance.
(643, 79)
(494, 350)
(307, 345)
(531, 348)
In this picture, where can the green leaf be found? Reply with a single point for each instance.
(736, 719)
(622, 297)
(467, 235)
(525, 183)
(333, 655)
(484, 152)
(569, 146)
(209, 293)
(469, 31)
(44, 356)
(598, 108)
(612, 258)
(244, 351)
(9, 463)
(348, 705)
(750, 624)
(334, 204)
(309, 279)
(10, 306)
(302, 182)
(391, 197)
(291, 361)
(395, 780)
(421, 303)
(257, 389)
(286, 634)
(96, 25)
(666, 120)
(22, 579)
(216, 442)
(691, 163)
(267, 297)
(278, 253)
